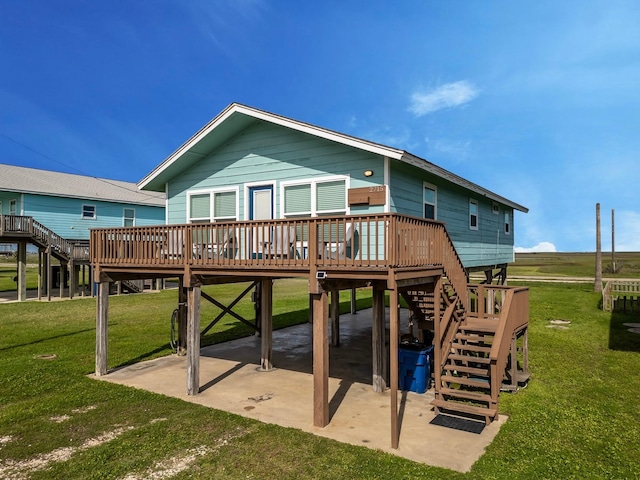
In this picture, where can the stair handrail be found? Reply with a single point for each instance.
(446, 334)
(26, 224)
(515, 300)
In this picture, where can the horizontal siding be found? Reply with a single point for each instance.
(64, 215)
(485, 246)
(483, 254)
(266, 153)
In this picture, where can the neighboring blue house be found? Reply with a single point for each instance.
(54, 212)
(71, 204)
(250, 164)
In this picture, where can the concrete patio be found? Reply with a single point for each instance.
(230, 380)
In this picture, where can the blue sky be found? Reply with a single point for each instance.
(536, 101)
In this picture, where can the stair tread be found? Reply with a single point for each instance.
(466, 408)
(473, 338)
(479, 326)
(469, 358)
(478, 396)
(473, 382)
(466, 369)
(471, 348)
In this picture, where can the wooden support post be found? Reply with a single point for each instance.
(49, 273)
(22, 271)
(63, 277)
(193, 340)
(320, 360)
(40, 275)
(102, 315)
(378, 341)
(266, 324)
(335, 318)
(73, 279)
(182, 318)
(393, 342)
(354, 308)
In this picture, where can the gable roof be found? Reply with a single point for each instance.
(236, 117)
(46, 182)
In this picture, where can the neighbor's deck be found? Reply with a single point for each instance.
(346, 247)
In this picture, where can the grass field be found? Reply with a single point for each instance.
(578, 418)
(575, 264)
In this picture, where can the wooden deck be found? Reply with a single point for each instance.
(368, 247)
(402, 255)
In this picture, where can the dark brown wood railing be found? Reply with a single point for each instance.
(345, 242)
(27, 226)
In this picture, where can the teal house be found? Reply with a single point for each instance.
(254, 197)
(249, 164)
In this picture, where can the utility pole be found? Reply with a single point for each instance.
(613, 242)
(597, 287)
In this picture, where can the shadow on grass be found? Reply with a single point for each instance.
(46, 339)
(620, 338)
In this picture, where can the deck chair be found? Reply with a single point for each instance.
(216, 243)
(348, 246)
(230, 244)
(174, 244)
(283, 241)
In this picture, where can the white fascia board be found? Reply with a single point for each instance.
(322, 132)
(461, 182)
(277, 120)
(186, 146)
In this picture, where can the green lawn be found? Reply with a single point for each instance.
(578, 418)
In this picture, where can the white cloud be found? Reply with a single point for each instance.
(448, 95)
(541, 247)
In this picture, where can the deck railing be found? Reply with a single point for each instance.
(345, 242)
(26, 226)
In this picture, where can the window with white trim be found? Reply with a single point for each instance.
(473, 214)
(128, 217)
(507, 223)
(212, 206)
(495, 208)
(315, 198)
(88, 212)
(429, 198)
(13, 207)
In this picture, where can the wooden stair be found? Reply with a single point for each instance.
(465, 380)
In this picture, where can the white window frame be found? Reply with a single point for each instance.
(211, 192)
(473, 201)
(83, 213)
(507, 223)
(435, 201)
(247, 189)
(125, 218)
(13, 207)
(495, 208)
(314, 208)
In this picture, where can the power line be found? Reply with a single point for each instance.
(104, 180)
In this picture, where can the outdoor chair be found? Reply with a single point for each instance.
(283, 242)
(174, 245)
(226, 247)
(347, 247)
